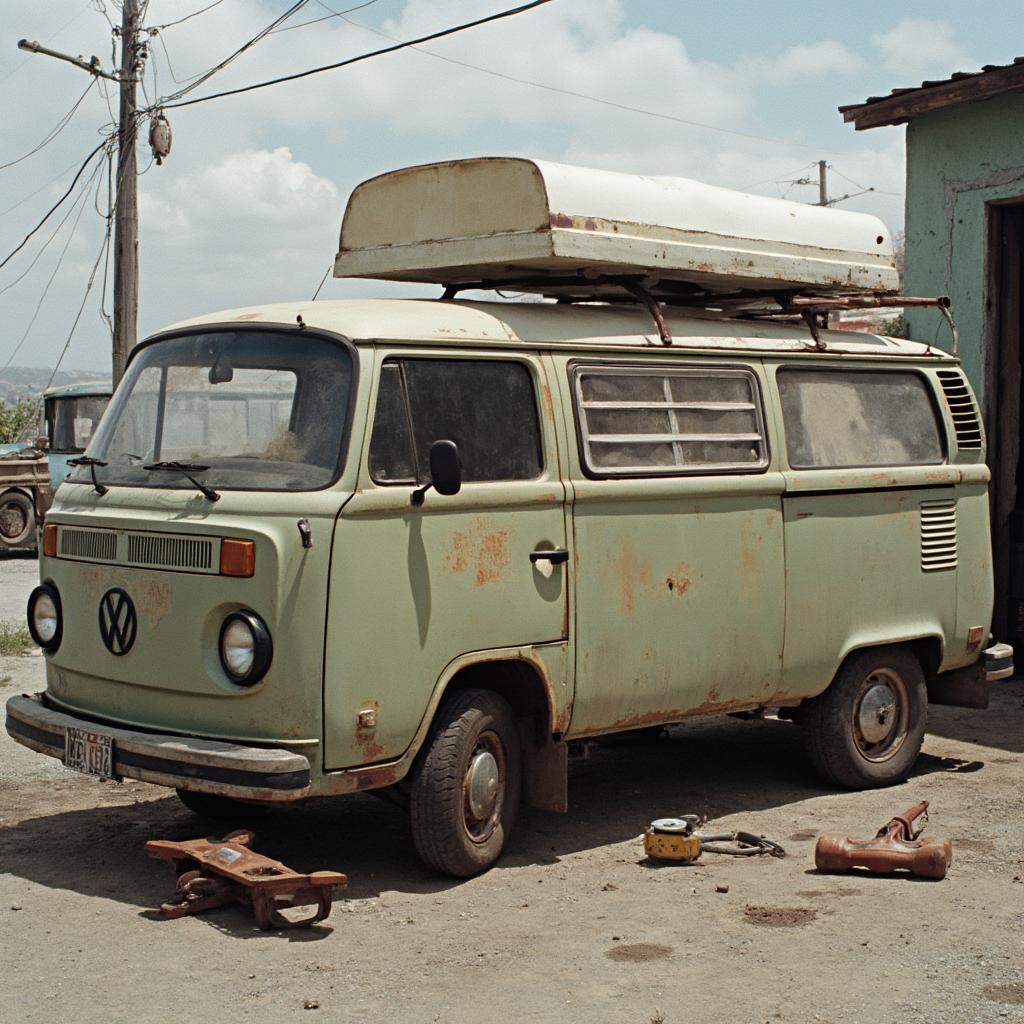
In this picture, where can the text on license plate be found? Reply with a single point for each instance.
(89, 752)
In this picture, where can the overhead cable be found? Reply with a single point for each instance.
(508, 13)
(53, 209)
(413, 45)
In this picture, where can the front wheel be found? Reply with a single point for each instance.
(465, 788)
(867, 728)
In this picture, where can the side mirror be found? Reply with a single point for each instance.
(445, 471)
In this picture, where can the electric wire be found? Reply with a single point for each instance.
(508, 13)
(206, 75)
(194, 14)
(49, 39)
(326, 17)
(104, 246)
(46, 289)
(53, 209)
(83, 193)
(55, 130)
(413, 45)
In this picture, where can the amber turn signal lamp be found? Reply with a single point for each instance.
(237, 558)
(50, 540)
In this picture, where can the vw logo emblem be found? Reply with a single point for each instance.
(118, 622)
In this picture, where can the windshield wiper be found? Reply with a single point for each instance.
(186, 469)
(88, 460)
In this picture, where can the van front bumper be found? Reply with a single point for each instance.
(182, 762)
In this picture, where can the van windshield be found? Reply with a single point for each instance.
(247, 410)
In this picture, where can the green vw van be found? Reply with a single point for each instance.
(421, 546)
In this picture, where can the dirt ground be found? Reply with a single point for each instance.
(572, 925)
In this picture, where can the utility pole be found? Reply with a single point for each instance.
(822, 183)
(126, 215)
(126, 202)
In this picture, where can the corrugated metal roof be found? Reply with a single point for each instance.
(984, 75)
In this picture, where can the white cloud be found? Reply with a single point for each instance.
(918, 47)
(822, 59)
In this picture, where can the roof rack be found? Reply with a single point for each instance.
(812, 309)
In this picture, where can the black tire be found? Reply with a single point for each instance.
(17, 518)
(856, 736)
(219, 809)
(449, 834)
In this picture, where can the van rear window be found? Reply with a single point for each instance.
(653, 421)
(851, 418)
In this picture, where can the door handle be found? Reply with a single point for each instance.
(554, 555)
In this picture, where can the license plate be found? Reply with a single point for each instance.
(89, 752)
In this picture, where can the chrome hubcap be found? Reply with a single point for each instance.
(878, 712)
(482, 785)
(881, 715)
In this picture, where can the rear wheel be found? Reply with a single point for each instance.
(465, 788)
(17, 518)
(867, 728)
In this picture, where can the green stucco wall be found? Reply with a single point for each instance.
(958, 160)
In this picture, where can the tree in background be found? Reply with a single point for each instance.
(16, 418)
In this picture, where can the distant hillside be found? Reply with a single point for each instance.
(18, 381)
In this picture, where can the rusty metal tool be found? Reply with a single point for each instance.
(230, 872)
(896, 846)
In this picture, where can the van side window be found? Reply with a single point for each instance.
(487, 407)
(653, 421)
(841, 418)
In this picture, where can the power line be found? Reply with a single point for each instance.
(364, 56)
(326, 17)
(104, 246)
(55, 130)
(53, 209)
(206, 75)
(83, 194)
(46, 289)
(49, 39)
(194, 14)
(540, 85)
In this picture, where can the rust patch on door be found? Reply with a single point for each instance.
(634, 576)
(681, 580)
(479, 549)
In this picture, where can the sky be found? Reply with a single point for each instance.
(247, 207)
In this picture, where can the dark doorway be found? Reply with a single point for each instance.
(1003, 423)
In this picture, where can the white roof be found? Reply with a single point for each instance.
(558, 229)
(551, 325)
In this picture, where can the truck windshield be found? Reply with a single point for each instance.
(258, 409)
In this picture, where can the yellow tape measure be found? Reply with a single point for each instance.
(673, 839)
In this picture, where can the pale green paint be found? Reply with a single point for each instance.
(959, 159)
(406, 597)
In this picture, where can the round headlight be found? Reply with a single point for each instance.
(245, 648)
(45, 621)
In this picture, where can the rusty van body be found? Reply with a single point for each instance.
(422, 545)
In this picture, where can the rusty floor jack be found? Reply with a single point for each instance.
(230, 872)
(897, 845)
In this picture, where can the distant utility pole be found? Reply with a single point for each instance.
(126, 216)
(822, 183)
(126, 208)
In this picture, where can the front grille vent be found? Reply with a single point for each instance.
(140, 550)
(938, 535)
(961, 408)
(89, 545)
(165, 552)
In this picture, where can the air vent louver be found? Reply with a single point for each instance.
(938, 535)
(961, 408)
(164, 552)
(89, 545)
